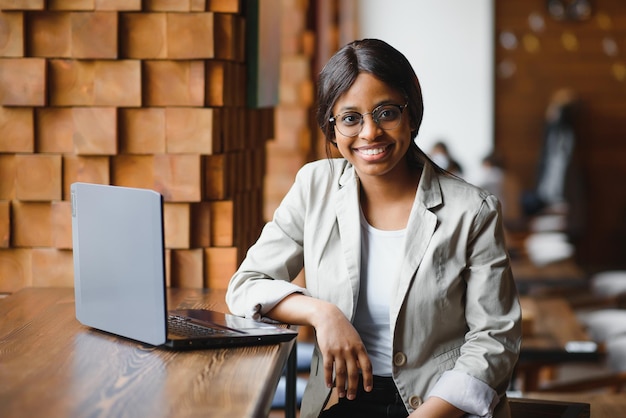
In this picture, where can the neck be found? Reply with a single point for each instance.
(387, 203)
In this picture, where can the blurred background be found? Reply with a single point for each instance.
(212, 104)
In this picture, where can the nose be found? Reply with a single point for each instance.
(369, 129)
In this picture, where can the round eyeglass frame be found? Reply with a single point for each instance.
(333, 119)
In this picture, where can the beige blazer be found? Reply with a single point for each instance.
(455, 306)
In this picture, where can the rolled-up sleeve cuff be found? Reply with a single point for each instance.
(261, 305)
(467, 393)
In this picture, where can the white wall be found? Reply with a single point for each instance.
(450, 45)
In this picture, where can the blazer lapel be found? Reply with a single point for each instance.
(420, 228)
(348, 219)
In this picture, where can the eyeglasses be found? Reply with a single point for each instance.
(387, 117)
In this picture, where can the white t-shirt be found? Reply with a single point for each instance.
(381, 255)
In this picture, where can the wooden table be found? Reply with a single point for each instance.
(560, 274)
(52, 366)
(603, 405)
(551, 335)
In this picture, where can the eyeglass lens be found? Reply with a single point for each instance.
(386, 117)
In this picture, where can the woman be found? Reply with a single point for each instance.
(408, 284)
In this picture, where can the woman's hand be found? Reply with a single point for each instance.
(340, 344)
(343, 351)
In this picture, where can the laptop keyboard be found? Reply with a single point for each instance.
(182, 326)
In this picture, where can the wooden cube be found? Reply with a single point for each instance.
(12, 34)
(224, 6)
(50, 34)
(217, 177)
(217, 84)
(71, 82)
(143, 35)
(117, 83)
(16, 129)
(15, 269)
(190, 35)
(192, 130)
(61, 214)
(187, 268)
(197, 5)
(167, 5)
(133, 171)
(5, 223)
(7, 176)
(178, 177)
(173, 83)
(55, 130)
(222, 219)
(200, 224)
(94, 35)
(38, 177)
(142, 130)
(168, 269)
(52, 267)
(95, 83)
(84, 169)
(22, 4)
(95, 130)
(32, 225)
(226, 36)
(118, 5)
(221, 263)
(71, 4)
(23, 82)
(177, 225)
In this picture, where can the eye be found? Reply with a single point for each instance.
(387, 113)
(350, 119)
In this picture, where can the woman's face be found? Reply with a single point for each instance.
(374, 151)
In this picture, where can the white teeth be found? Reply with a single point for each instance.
(372, 151)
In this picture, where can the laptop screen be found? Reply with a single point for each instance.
(119, 281)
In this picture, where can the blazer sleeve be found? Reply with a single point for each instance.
(264, 277)
(492, 309)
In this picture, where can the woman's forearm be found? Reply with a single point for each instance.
(298, 309)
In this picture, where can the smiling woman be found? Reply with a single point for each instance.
(402, 260)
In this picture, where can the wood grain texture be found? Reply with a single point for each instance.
(73, 371)
(87, 169)
(23, 82)
(31, 224)
(5, 223)
(17, 133)
(142, 130)
(38, 177)
(15, 271)
(11, 34)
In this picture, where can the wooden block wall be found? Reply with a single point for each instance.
(134, 93)
(292, 145)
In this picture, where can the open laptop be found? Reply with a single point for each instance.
(119, 276)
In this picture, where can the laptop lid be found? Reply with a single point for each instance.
(119, 272)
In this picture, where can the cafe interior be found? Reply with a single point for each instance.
(211, 103)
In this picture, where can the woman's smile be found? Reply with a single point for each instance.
(373, 152)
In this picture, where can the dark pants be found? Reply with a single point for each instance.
(382, 402)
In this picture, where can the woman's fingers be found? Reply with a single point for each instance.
(348, 365)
